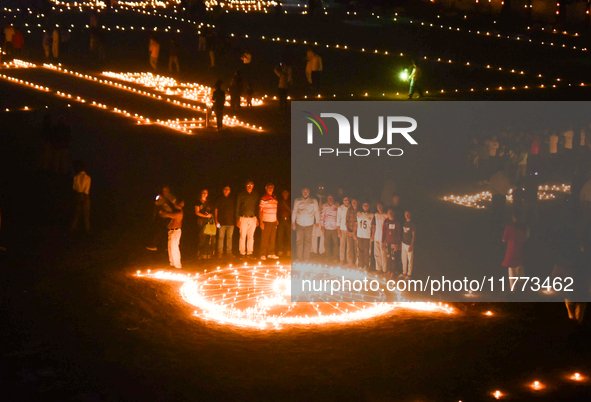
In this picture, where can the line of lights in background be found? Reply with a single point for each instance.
(441, 91)
(510, 70)
(186, 126)
(545, 192)
(439, 60)
(196, 92)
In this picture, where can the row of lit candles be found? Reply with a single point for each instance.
(232, 121)
(474, 201)
(363, 50)
(172, 124)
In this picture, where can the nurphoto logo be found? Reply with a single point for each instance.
(391, 127)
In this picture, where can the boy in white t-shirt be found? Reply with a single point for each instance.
(364, 220)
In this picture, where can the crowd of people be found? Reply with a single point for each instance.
(515, 163)
(336, 228)
(216, 219)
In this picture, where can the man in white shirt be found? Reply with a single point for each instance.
(342, 229)
(81, 190)
(377, 226)
(328, 224)
(304, 217)
(364, 220)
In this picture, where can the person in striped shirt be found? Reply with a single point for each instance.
(328, 225)
(268, 216)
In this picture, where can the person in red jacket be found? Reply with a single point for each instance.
(18, 42)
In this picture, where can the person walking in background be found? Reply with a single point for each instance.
(313, 68)
(8, 36)
(283, 71)
(82, 198)
(174, 233)
(236, 89)
(154, 49)
(415, 80)
(304, 217)
(249, 94)
(65, 41)
(284, 227)
(377, 227)
(268, 215)
(363, 235)
(219, 101)
(521, 165)
(173, 59)
(516, 233)
(47, 43)
(204, 212)
(328, 224)
(224, 221)
(18, 42)
(247, 206)
(55, 44)
(408, 244)
(202, 43)
(210, 42)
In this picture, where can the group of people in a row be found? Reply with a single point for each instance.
(351, 232)
(337, 229)
(216, 221)
(551, 150)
